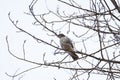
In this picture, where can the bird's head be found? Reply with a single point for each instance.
(61, 35)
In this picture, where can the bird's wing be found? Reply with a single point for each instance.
(69, 42)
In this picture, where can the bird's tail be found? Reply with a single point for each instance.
(74, 55)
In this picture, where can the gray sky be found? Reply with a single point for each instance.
(10, 64)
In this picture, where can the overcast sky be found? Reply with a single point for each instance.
(10, 64)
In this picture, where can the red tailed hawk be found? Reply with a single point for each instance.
(67, 45)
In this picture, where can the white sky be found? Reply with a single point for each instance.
(8, 63)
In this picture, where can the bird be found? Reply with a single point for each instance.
(67, 46)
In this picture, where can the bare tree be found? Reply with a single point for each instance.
(96, 33)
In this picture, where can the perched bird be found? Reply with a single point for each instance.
(67, 45)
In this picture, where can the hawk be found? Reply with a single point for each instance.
(67, 45)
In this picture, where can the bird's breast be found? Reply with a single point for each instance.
(65, 45)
